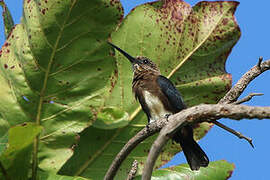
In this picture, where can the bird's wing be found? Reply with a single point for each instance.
(171, 92)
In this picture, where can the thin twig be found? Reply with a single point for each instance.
(195, 115)
(230, 130)
(238, 134)
(247, 98)
(241, 85)
(133, 171)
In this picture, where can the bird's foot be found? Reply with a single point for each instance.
(147, 127)
(167, 117)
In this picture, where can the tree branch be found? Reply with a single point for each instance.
(247, 98)
(195, 115)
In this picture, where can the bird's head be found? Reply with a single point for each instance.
(140, 64)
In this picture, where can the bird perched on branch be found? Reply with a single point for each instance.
(159, 98)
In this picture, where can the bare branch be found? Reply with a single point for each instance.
(133, 170)
(241, 85)
(195, 115)
(238, 134)
(247, 98)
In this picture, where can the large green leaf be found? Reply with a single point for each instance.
(16, 158)
(190, 45)
(54, 68)
(218, 170)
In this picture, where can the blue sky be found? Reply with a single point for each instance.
(253, 19)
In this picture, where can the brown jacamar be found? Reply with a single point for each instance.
(159, 98)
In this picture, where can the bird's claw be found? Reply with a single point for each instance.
(147, 127)
(167, 117)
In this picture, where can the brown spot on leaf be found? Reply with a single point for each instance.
(5, 66)
(225, 21)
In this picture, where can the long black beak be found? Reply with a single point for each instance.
(130, 58)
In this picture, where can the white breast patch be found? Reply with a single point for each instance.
(155, 106)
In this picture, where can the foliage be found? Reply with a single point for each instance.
(57, 70)
(216, 170)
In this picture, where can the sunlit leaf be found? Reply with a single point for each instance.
(218, 170)
(16, 157)
(51, 176)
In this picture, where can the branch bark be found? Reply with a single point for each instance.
(247, 98)
(195, 115)
(133, 171)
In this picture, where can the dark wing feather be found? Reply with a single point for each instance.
(195, 156)
(171, 93)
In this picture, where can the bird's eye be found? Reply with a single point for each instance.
(145, 61)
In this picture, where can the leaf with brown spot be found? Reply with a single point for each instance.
(49, 75)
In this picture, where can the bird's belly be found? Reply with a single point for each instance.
(155, 107)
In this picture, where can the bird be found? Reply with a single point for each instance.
(159, 98)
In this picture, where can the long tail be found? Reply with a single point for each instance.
(194, 154)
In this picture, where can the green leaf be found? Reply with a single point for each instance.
(218, 170)
(54, 69)
(51, 176)
(8, 21)
(16, 158)
(190, 45)
(4, 135)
